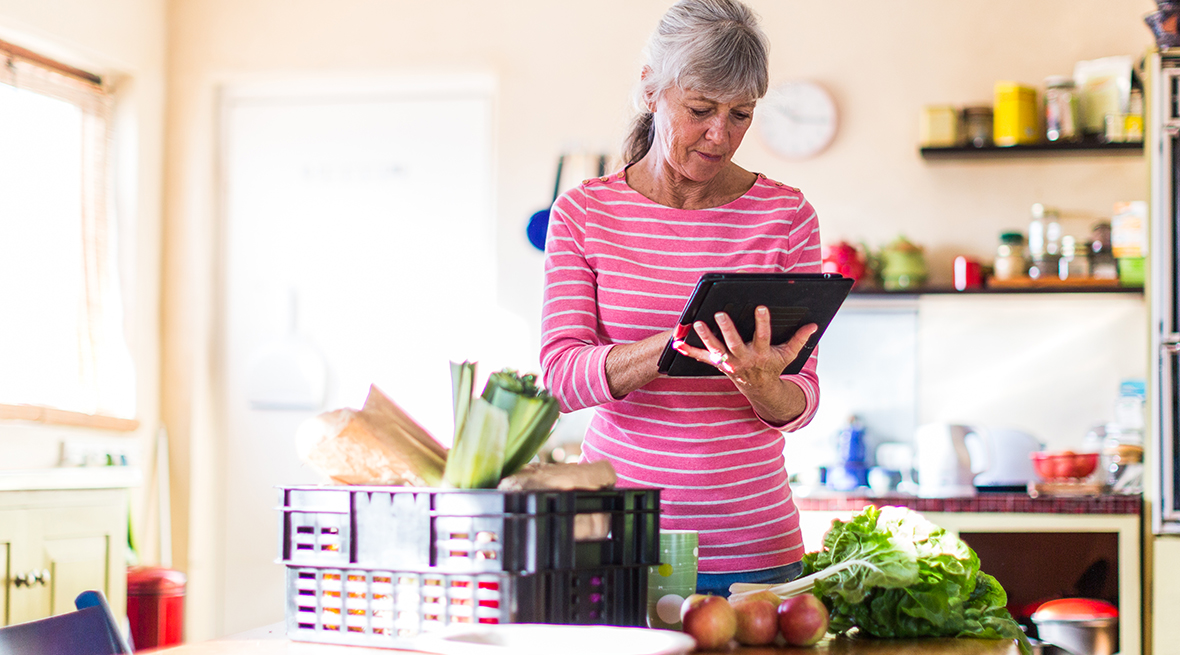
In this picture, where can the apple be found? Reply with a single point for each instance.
(766, 594)
(710, 620)
(757, 621)
(802, 619)
(692, 601)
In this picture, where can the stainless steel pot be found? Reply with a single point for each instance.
(1097, 636)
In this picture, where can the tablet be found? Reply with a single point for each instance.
(794, 300)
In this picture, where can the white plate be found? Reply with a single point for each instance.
(530, 638)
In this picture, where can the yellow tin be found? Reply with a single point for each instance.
(1015, 117)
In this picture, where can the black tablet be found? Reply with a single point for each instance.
(794, 300)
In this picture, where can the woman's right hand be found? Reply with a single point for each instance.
(630, 366)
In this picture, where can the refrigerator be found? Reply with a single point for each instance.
(1163, 152)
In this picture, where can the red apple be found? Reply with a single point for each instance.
(766, 594)
(710, 620)
(692, 601)
(757, 621)
(802, 619)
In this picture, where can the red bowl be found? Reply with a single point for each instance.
(1064, 465)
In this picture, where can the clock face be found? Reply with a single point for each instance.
(797, 119)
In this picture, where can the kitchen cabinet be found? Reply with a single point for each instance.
(1021, 543)
(55, 544)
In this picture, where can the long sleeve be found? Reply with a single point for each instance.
(573, 355)
(805, 237)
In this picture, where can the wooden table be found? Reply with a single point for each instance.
(271, 640)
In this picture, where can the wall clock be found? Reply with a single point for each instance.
(797, 119)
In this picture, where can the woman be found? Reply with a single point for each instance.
(623, 254)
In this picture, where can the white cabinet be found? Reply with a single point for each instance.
(55, 544)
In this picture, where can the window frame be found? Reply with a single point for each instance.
(86, 90)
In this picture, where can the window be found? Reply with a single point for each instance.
(62, 349)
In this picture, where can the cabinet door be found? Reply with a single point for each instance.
(77, 547)
(9, 528)
(28, 600)
(76, 565)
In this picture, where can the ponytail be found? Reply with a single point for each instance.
(641, 137)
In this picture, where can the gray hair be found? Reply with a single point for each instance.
(713, 46)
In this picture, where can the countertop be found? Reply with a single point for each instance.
(271, 640)
(1008, 503)
(76, 477)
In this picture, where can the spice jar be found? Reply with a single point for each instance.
(1061, 109)
(977, 126)
(1010, 261)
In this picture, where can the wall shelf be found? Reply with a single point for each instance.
(1091, 146)
(1056, 289)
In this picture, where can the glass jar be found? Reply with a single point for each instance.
(1061, 109)
(977, 126)
(1011, 261)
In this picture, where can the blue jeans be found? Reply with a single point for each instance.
(718, 583)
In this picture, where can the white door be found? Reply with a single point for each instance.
(358, 250)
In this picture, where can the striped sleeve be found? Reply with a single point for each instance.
(573, 356)
(804, 239)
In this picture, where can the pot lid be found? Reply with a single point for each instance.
(1075, 609)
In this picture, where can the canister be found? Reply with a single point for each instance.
(938, 126)
(977, 123)
(155, 606)
(1015, 119)
(1061, 109)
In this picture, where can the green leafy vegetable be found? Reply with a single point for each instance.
(481, 455)
(478, 454)
(891, 573)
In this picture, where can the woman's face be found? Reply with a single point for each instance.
(698, 134)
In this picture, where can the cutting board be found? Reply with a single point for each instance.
(861, 646)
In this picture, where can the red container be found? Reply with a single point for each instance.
(1064, 465)
(155, 606)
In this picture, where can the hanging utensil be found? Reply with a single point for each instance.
(538, 224)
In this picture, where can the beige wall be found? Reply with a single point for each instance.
(123, 41)
(564, 72)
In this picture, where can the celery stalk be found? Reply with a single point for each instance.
(462, 383)
(477, 457)
(529, 426)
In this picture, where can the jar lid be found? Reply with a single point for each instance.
(1075, 609)
(1012, 237)
(155, 580)
(1059, 81)
(977, 110)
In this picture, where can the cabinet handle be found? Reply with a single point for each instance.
(32, 578)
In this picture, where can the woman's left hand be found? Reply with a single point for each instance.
(754, 367)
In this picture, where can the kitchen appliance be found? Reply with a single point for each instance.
(1163, 149)
(1081, 626)
(958, 460)
(945, 469)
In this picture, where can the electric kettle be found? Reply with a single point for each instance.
(956, 460)
(945, 467)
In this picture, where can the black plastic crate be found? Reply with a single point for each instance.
(366, 607)
(469, 531)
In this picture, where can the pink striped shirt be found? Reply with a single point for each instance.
(618, 269)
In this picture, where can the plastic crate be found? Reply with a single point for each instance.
(364, 607)
(468, 531)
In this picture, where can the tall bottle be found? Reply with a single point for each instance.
(1044, 242)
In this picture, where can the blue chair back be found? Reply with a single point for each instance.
(91, 630)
